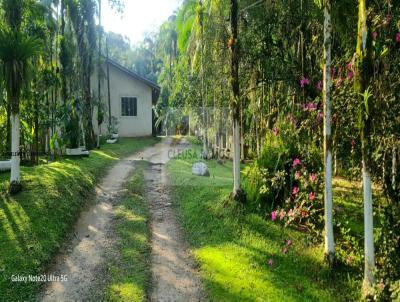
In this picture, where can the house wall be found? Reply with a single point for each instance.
(123, 85)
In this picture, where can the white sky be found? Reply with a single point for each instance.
(139, 17)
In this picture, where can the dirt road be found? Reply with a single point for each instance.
(84, 261)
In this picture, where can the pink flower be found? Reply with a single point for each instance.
(350, 65)
(374, 35)
(282, 214)
(275, 131)
(319, 85)
(313, 177)
(350, 75)
(304, 81)
(295, 191)
(273, 215)
(310, 106)
(270, 262)
(311, 196)
(398, 38)
(296, 162)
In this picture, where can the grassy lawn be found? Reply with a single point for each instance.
(130, 273)
(34, 223)
(234, 246)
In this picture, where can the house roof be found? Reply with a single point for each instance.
(155, 88)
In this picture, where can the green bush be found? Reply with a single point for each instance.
(286, 177)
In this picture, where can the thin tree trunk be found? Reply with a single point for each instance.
(362, 79)
(241, 133)
(63, 54)
(108, 88)
(237, 192)
(8, 126)
(189, 132)
(99, 77)
(394, 164)
(202, 92)
(15, 179)
(329, 240)
(368, 231)
(35, 153)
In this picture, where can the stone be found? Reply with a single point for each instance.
(200, 169)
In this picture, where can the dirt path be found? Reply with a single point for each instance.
(175, 277)
(84, 262)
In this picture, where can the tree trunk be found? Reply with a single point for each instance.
(237, 192)
(362, 79)
(8, 126)
(88, 110)
(202, 92)
(394, 164)
(108, 87)
(189, 132)
(15, 179)
(35, 153)
(63, 55)
(329, 240)
(99, 78)
(368, 231)
(241, 134)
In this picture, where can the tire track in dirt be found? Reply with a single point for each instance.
(84, 260)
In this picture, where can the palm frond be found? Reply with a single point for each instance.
(16, 50)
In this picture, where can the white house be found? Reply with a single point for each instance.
(131, 97)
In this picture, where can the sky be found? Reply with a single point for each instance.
(139, 17)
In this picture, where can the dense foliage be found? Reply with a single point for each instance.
(50, 49)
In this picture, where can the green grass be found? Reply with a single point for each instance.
(348, 201)
(233, 246)
(34, 223)
(130, 273)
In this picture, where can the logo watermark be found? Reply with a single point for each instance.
(39, 278)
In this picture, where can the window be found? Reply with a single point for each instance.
(128, 106)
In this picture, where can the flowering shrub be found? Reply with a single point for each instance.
(285, 181)
(304, 207)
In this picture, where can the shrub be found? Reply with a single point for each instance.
(286, 180)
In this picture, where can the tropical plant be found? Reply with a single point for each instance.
(17, 49)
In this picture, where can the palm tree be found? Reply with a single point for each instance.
(329, 240)
(16, 52)
(363, 76)
(235, 103)
(81, 13)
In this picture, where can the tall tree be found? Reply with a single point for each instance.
(329, 240)
(364, 68)
(16, 50)
(203, 96)
(82, 14)
(235, 102)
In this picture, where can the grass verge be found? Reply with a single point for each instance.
(244, 257)
(130, 273)
(34, 223)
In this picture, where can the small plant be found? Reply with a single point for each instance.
(113, 127)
